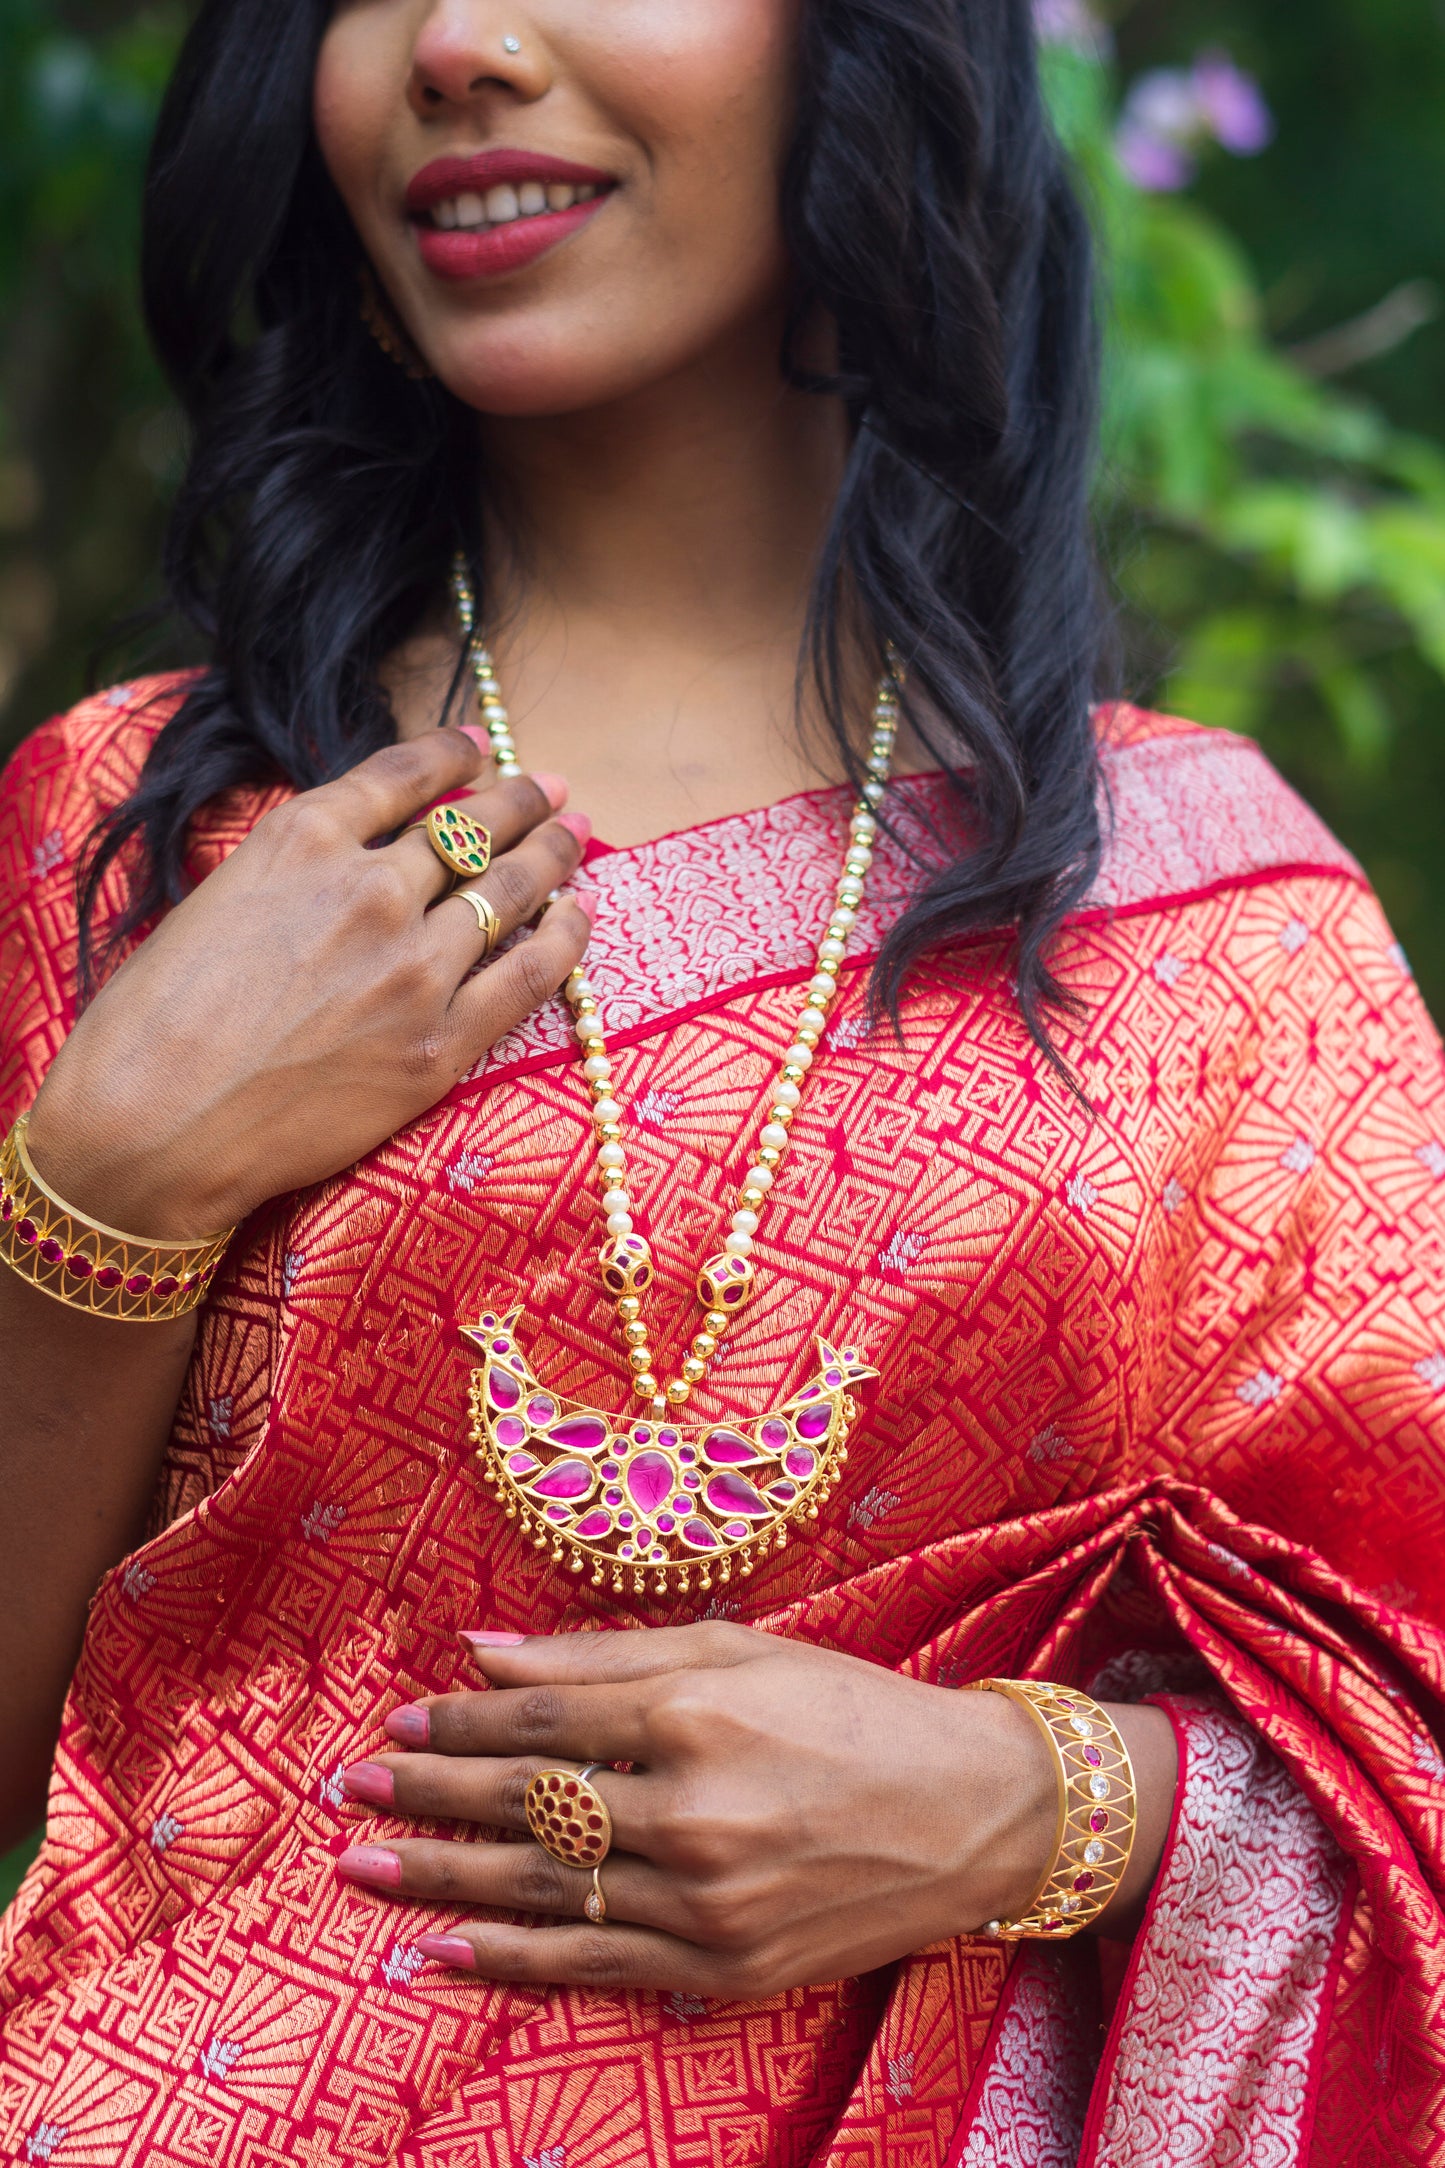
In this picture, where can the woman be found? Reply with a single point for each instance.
(1053, 1132)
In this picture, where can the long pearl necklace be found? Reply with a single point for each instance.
(631, 1496)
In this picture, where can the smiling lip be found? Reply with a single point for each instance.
(493, 250)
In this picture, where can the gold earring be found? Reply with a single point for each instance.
(380, 321)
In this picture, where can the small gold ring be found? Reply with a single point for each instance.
(568, 1817)
(463, 845)
(594, 1904)
(488, 918)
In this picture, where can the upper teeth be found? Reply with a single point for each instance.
(503, 203)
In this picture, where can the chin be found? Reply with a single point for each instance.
(544, 372)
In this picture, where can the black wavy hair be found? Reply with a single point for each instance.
(927, 208)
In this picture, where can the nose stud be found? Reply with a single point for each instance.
(511, 45)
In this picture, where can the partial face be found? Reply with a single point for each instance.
(566, 200)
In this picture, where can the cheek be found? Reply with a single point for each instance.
(353, 104)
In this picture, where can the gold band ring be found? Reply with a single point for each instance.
(594, 1904)
(568, 1817)
(487, 917)
(463, 845)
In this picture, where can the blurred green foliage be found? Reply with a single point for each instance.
(1279, 543)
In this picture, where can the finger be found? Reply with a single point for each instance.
(483, 1789)
(512, 1878)
(493, 1002)
(390, 787)
(645, 1652)
(543, 1724)
(516, 885)
(608, 1959)
(509, 811)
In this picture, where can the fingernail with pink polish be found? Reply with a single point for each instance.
(553, 789)
(577, 826)
(412, 1726)
(480, 1638)
(588, 901)
(478, 736)
(370, 1864)
(448, 1950)
(370, 1783)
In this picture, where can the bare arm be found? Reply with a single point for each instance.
(305, 1003)
(87, 1409)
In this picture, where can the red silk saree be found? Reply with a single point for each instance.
(1161, 1410)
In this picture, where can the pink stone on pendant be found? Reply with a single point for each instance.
(1098, 1819)
(1092, 1756)
(649, 1482)
(813, 1422)
(1083, 1881)
(510, 1429)
(139, 1283)
(736, 1530)
(725, 1449)
(564, 1479)
(698, 1536)
(502, 1389)
(774, 1435)
(729, 1493)
(520, 1463)
(582, 1433)
(593, 1525)
(800, 1462)
(28, 1231)
(782, 1494)
(51, 1250)
(108, 1277)
(540, 1410)
(80, 1265)
(168, 1286)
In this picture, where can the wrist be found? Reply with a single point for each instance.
(106, 1169)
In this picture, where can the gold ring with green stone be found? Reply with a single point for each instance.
(463, 845)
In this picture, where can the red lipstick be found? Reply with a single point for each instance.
(492, 251)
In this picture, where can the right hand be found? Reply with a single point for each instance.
(304, 1002)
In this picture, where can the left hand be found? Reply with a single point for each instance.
(792, 1815)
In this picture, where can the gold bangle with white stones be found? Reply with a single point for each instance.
(1098, 1810)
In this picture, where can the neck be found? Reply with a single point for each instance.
(688, 513)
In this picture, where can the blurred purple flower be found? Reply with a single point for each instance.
(1170, 113)
(1151, 161)
(1238, 117)
(1070, 22)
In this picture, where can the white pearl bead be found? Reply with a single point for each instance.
(758, 1178)
(611, 1155)
(619, 1223)
(606, 1110)
(813, 1020)
(744, 1223)
(800, 1056)
(863, 826)
(617, 1200)
(850, 890)
(773, 1137)
(588, 1027)
(508, 767)
(787, 1095)
(583, 990)
(738, 1245)
(832, 951)
(824, 986)
(843, 914)
(597, 1069)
